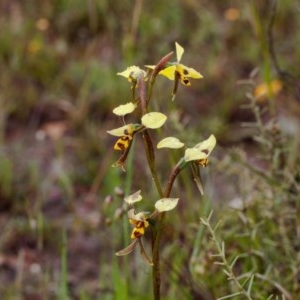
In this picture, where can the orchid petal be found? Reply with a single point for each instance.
(166, 204)
(169, 72)
(170, 142)
(154, 120)
(179, 51)
(128, 129)
(135, 197)
(188, 72)
(201, 150)
(124, 109)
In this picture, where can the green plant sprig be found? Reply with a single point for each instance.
(227, 267)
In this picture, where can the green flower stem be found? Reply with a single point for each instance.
(156, 230)
(173, 176)
(133, 90)
(148, 144)
(157, 233)
(159, 230)
(142, 93)
(160, 66)
(150, 88)
(151, 161)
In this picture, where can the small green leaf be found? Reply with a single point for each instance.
(250, 285)
(166, 204)
(170, 142)
(230, 296)
(233, 262)
(154, 120)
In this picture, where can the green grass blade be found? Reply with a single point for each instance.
(64, 292)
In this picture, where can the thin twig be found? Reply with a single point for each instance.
(270, 37)
(283, 74)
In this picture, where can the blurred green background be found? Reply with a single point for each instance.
(61, 203)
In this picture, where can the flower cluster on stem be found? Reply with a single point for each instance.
(142, 82)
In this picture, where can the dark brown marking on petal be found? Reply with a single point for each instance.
(123, 142)
(126, 138)
(139, 224)
(185, 81)
(121, 146)
(185, 72)
(205, 151)
(137, 234)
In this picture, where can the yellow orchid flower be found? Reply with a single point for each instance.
(125, 134)
(201, 151)
(132, 73)
(123, 143)
(179, 70)
(140, 223)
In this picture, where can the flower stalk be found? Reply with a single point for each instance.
(160, 66)
(142, 83)
(158, 234)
